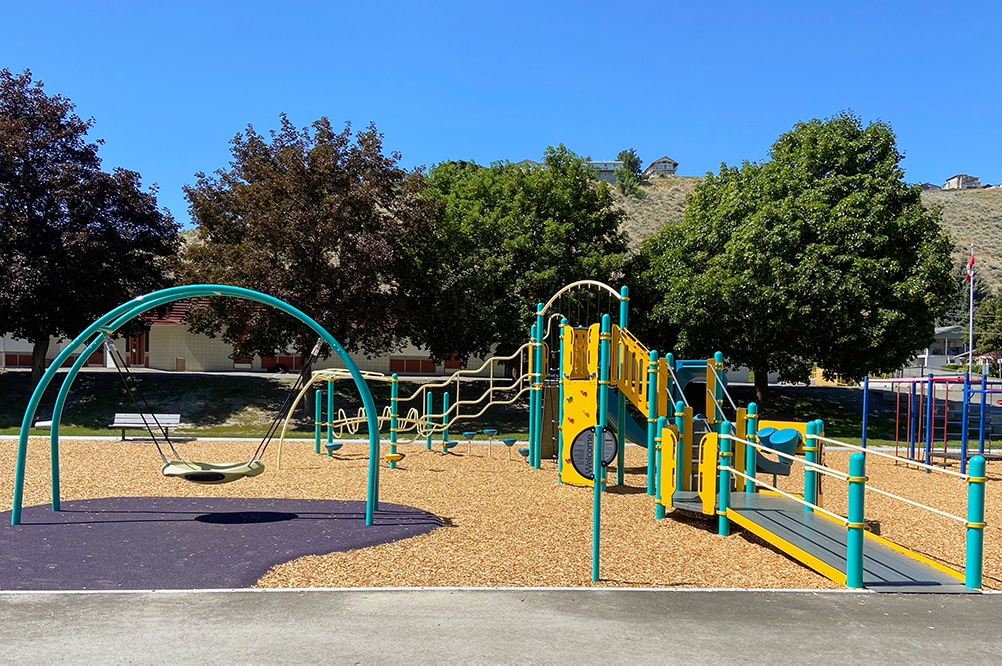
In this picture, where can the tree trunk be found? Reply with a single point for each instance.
(761, 386)
(38, 352)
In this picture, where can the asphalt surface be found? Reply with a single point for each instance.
(158, 543)
(497, 626)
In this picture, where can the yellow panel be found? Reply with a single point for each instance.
(669, 456)
(580, 410)
(707, 480)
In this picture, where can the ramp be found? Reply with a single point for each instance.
(820, 543)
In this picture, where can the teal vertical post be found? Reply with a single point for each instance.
(598, 472)
(672, 398)
(428, 407)
(624, 299)
(718, 387)
(659, 508)
(445, 420)
(317, 418)
(679, 453)
(751, 453)
(330, 411)
(533, 392)
(653, 431)
(724, 460)
(811, 476)
(974, 553)
(854, 538)
(394, 413)
(560, 427)
(537, 460)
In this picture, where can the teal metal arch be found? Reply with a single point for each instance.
(91, 338)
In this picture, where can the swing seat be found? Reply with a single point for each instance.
(211, 473)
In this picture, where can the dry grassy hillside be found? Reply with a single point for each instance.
(968, 215)
(973, 216)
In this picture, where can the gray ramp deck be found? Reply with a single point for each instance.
(884, 569)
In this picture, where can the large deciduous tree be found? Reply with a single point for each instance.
(317, 218)
(77, 241)
(506, 237)
(819, 255)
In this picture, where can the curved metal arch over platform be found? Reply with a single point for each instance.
(115, 319)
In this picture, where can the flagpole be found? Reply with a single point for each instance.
(970, 309)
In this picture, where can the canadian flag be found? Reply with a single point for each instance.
(970, 267)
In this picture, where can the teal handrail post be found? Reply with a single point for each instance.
(856, 524)
(659, 508)
(330, 411)
(137, 306)
(317, 416)
(428, 406)
(718, 387)
(537, 450)
(624, 300)
(653, 429)
(974, 552)
(598, 472)
(58, 409)
(670, 362)
(394, 413)
(810, 475)
(445, 420)
(725, 458)
(560, 426)
(533, 391)
(751, 453)
(679, 453)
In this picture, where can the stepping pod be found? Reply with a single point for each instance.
(332, 447)
(469, 435)
(490, 432)
(509, 442)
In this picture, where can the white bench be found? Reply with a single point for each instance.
(133, 421)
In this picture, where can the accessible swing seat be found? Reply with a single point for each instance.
(211, 473)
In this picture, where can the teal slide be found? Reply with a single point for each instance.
(635, 432)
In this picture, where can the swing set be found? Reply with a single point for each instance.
(175, 465)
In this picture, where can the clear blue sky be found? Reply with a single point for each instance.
(170, 83)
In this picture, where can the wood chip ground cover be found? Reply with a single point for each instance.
(510, 525)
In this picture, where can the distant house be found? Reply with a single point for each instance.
(929, 187)
(664, 166)
(962, 182)
(605, 170)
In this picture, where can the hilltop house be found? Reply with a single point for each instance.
(962, 182)
(606, 170)
(663, 166)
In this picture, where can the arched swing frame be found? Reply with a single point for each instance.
(93, 336)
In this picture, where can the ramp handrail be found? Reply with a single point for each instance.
(800, 500)
(842, 476)
(882, 454)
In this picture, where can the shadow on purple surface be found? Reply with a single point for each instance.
(146, 543)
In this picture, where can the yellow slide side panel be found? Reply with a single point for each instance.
(707, 481)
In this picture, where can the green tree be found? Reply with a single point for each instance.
(317, 218)
(506, 237)
(820, 255)
(988, 327)
(628, 176)
(77, 241)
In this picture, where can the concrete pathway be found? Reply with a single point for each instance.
(431, 626)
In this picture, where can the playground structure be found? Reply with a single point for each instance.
(925, 417)
(708, 463)
(704, 453)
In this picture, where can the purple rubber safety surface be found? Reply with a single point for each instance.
(157, 543)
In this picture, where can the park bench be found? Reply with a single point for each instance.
(133, 421)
